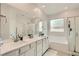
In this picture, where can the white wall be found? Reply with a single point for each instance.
(17, 19)
(10, 26)
(24, 25)
(4, 26)
(14, 17)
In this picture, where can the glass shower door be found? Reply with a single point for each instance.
(71, 34)
(73, 26)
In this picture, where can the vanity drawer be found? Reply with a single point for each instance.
(24, 49)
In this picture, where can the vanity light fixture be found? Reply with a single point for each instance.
(2, 16)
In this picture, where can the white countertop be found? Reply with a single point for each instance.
(9, 45)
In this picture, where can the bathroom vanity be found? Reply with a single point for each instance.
(36, 46)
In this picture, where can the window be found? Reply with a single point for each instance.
(40, 26)
(57, 25)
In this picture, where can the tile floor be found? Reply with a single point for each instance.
(51, 52)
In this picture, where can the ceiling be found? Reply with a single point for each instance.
(47, 8)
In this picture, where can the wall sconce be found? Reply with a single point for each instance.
(2, 16)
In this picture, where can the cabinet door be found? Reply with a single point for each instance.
(45, 45)
(33, 47)
(30, 52)
(24, 49)
(39, 48)
(12, 53)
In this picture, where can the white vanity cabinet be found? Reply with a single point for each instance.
(35, 48)
(29, 50)
(39, 48)
(32, 50)
(44, 45)
(12, 53)
(24, 49)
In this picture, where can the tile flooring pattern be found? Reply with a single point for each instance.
(51, 52)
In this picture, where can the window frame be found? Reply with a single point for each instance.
(56, 30)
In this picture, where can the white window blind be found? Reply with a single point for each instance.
(57, 25)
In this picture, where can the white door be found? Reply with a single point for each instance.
(77, 33)
(71, 34)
